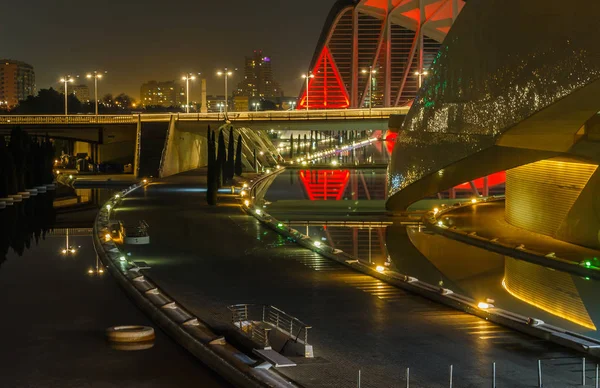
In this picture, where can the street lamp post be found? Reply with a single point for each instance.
(371, 72)
(256, 105)
(226, 74)
(66, 81)
(421, 74)
(307, 77)
(96, 76)
(220, 105)
(187, 78)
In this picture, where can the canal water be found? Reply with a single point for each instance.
(56, 306)
(558, 298)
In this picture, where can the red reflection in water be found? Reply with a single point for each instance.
(322, 185)
(493, 180)
(390, 141)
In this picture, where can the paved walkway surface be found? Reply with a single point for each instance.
(209, 258)
(52, 329)
(487, 219)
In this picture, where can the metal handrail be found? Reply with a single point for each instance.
(272, 316)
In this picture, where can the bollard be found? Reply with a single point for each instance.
(359, 378)
(407, 377)
(539, 373)
(494, 375)
(451, 368)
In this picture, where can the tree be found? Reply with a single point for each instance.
(221, 159)
(211, 189)
(238, 156)
(267, 105)
(123, 101)
(230, 154)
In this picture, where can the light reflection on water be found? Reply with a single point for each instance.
(531, 290)
(328, 184)
(557, 298)
(26, 224)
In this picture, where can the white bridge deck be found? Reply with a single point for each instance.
(296, 115)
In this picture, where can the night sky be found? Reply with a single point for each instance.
(136, 41)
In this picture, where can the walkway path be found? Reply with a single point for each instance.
(208, 258)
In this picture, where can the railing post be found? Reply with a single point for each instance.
(539, 373)
(263, 317)
(451, 369)
(359, 378)
(407, 377)
(277, 321)
(596, 375)
(583, 371)
(305, 336)
(494, 375)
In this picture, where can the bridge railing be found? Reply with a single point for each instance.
(296, 115)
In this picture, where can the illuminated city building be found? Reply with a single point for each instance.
(82, 92)
(17, 81)
(165, 94)
(396, 40)
(258, 77)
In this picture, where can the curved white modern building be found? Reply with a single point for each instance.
(393, 40)
(515, 88)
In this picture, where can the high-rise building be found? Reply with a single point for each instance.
(166, 94)
(17, 81)
(82, 92)
(258, 77)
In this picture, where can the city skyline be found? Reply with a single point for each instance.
(170, 55)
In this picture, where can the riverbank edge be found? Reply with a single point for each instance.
(190, 332)
(526, 325)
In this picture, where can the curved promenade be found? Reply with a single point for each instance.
(212, 349)
(207, 258)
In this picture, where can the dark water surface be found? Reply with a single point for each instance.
(56, 307)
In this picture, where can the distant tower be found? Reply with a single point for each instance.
(204, 106)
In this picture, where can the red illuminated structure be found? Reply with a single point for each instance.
(326, 90)
(323, 185)
(398, 39)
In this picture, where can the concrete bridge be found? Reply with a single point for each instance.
(149, 141)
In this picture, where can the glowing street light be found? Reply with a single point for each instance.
(307, 77)
(293, 104)
(187, 78)
(256, 105)
(370, 72)
(421, 74)
(225, 73)
(96, 76)
(66, 81)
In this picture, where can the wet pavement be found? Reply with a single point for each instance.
(209, 258)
